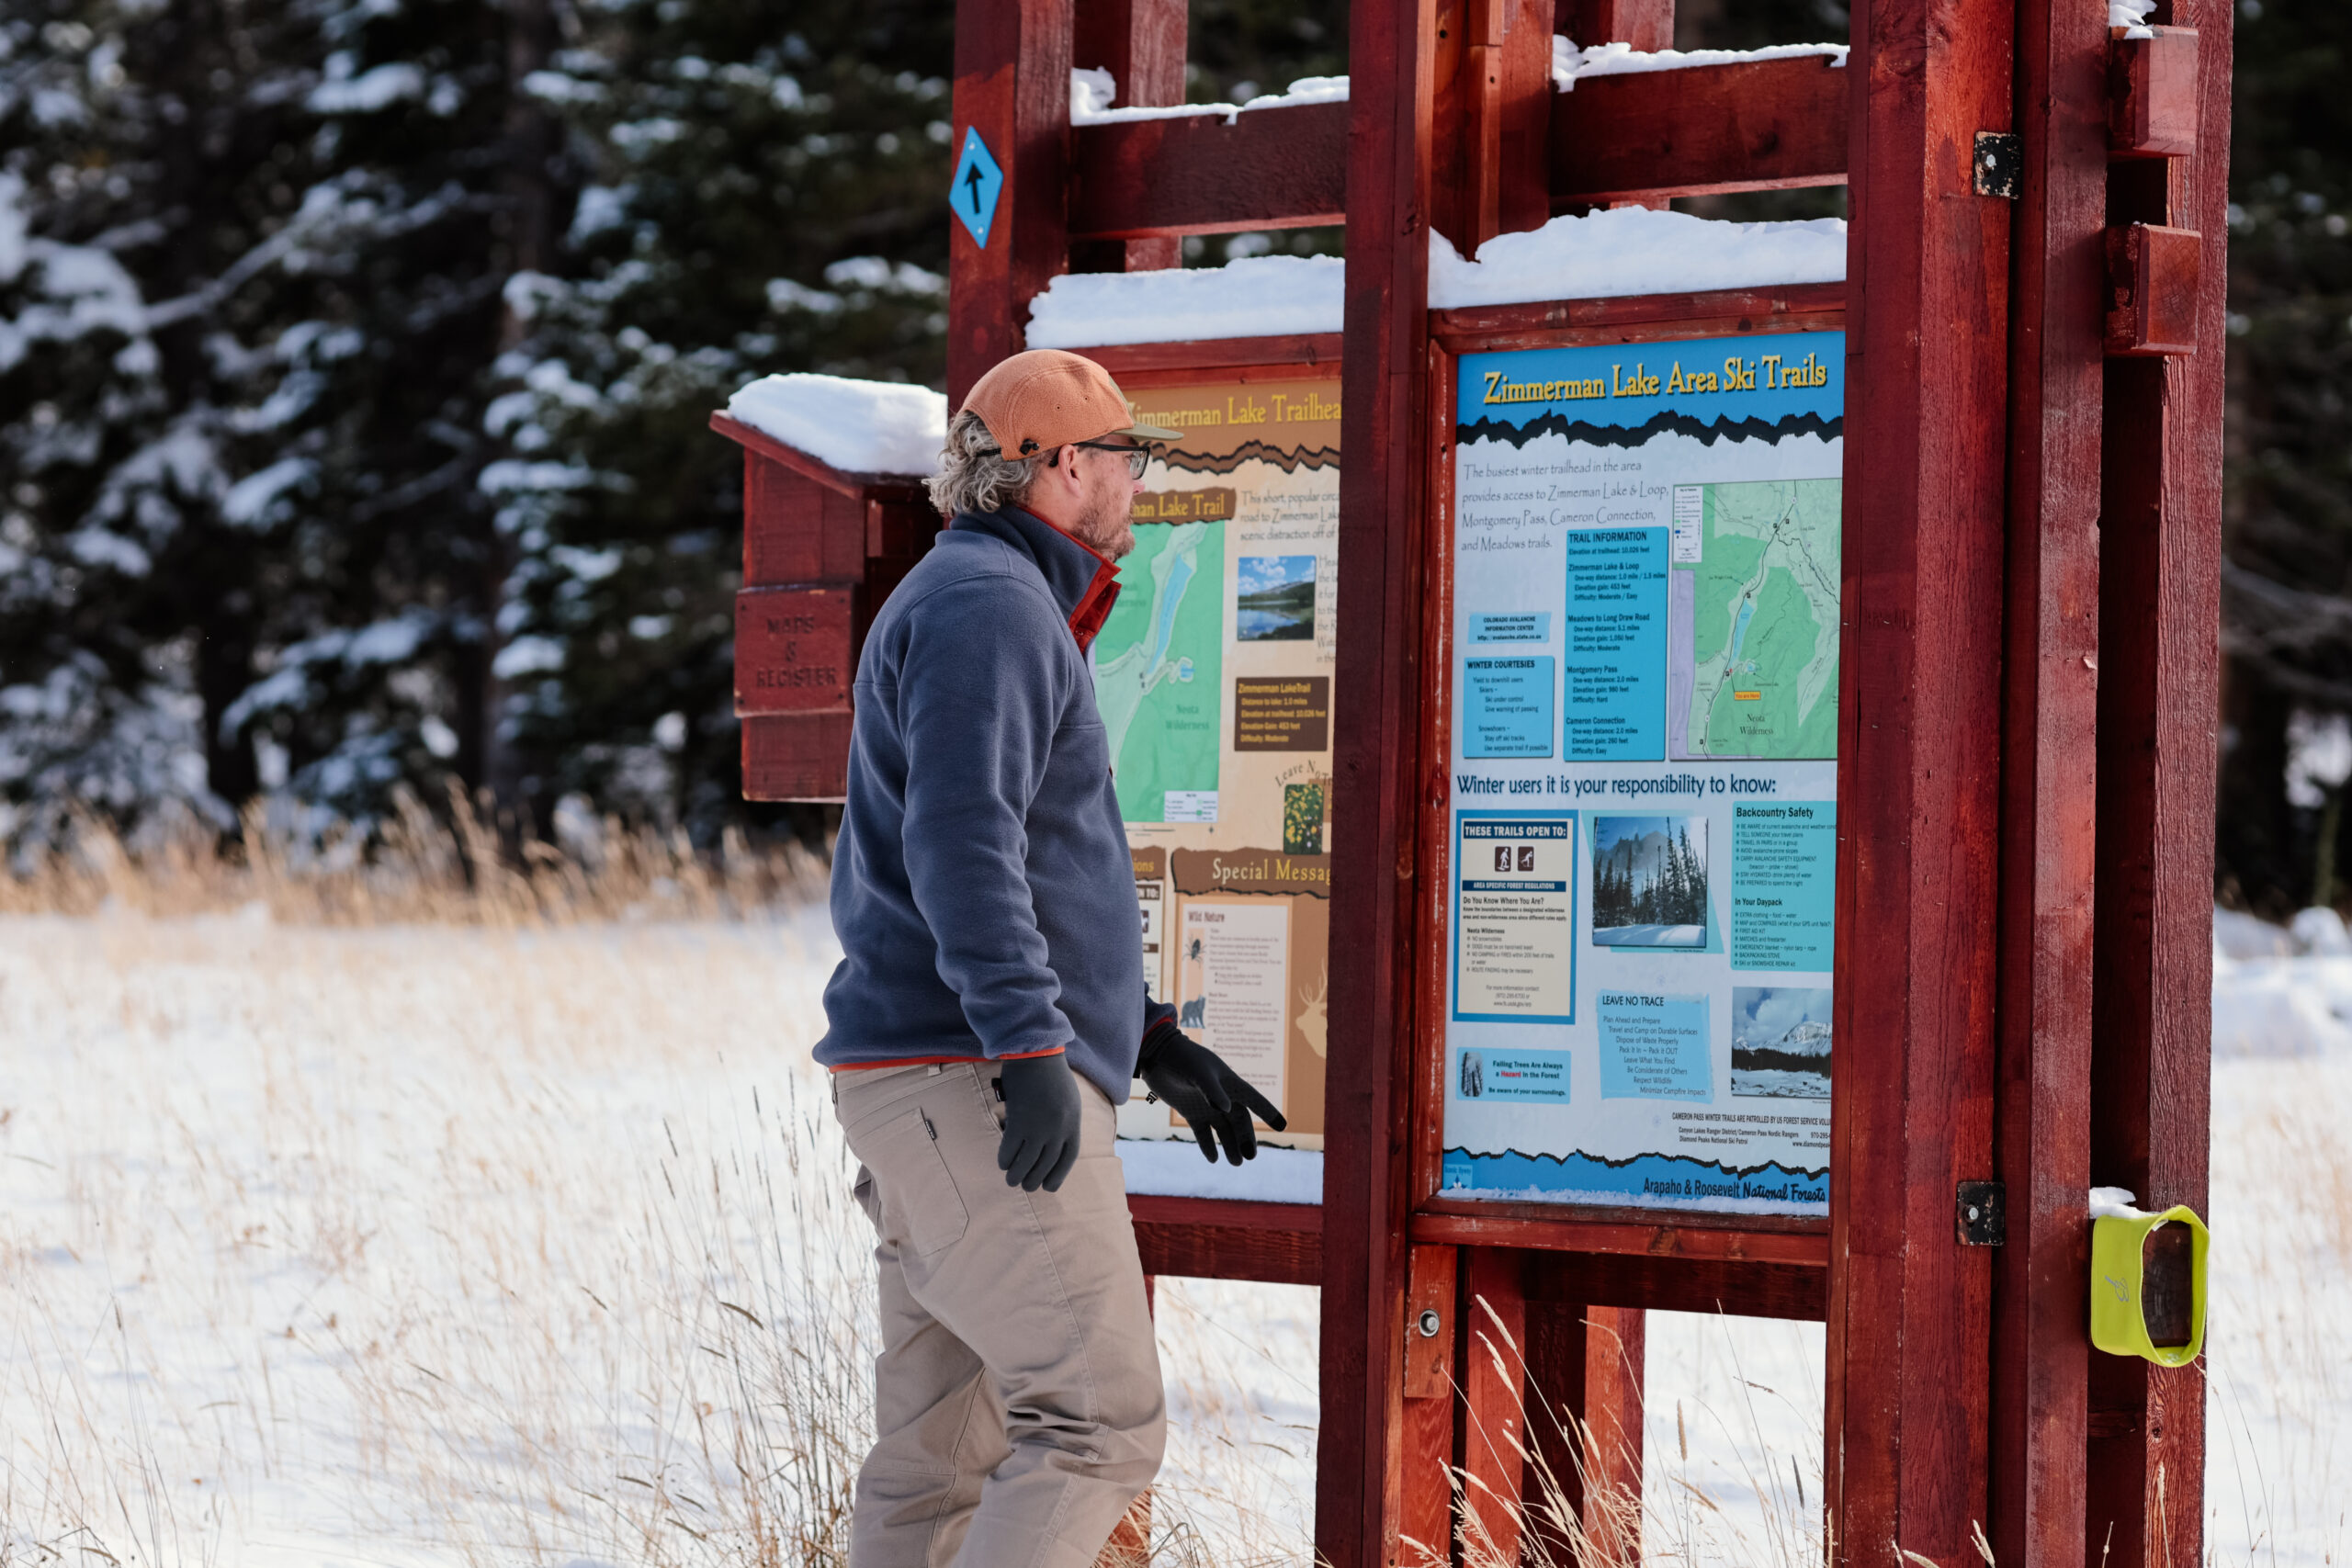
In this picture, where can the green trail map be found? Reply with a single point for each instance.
(1157, 667)
(1762, 668)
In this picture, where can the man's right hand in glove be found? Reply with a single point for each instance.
(1041, 1116)
(1216, 1101)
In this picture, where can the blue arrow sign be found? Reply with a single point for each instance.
(977, 183)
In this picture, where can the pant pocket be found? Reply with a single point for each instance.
(920, 1205)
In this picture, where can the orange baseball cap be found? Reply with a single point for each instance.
(1048, 398)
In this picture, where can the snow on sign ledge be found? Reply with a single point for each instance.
(1092, 90)
(1569, 62)
(1174, 1169)
(1633, 250)
(1253, 297)
(859, 427)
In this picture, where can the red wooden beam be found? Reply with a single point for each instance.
(1919, 697)
(1273, 168)
(1219, 359)
(2041, 1349)
(796, 756)
(1800, 1243)
(1760, 125)
(2153, 275)
(1376, 731)
(2159, 662)
(1229, 1239)
(2153, 91)
(1141, 44)
(1743, 1287)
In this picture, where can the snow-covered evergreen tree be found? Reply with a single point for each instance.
(755, 202)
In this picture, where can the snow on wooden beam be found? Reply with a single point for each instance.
(1752, 125)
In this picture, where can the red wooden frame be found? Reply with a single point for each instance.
(2021, 937)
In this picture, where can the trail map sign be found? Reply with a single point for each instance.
(1214, 676)
(1646, 558)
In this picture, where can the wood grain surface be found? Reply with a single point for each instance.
(1758, 125)
(2040, 1344)
(2159, 661)
(1917, 774)
(1391, 46)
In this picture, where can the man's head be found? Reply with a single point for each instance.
(1050, 432)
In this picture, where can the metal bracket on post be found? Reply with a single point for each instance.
(1982, 1213)
(2000, 162)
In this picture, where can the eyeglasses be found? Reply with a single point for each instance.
(1138, 457)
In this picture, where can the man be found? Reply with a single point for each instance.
(990, 1011)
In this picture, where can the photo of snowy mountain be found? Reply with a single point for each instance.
(1780, 1041)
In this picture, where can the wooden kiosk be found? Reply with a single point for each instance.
(2031, 332)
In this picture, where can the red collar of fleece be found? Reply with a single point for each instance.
(1094, 605)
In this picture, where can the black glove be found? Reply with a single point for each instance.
(1041, 1110)
(1215, 1101)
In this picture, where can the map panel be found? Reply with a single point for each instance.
(1757, 675)
(1159, 662)
(1650, 520)
(1213, 674)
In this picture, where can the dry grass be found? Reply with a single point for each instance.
(458, 869)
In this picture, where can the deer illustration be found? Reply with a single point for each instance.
(1313, 1023)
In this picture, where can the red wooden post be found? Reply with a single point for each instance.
(1494, 1396)
(1368, 1101)
(1917, 774)
(1646, 25)
(2158, 672)
(1433, 1317)
(1012, 62)
(1141, 44)
(2041, 1350)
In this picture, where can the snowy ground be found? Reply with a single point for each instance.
(423, 1245)
(1650, 936)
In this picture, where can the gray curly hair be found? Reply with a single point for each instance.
(973, 475)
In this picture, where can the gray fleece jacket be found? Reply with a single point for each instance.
(982, 889)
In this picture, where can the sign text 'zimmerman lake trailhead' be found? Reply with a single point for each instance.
(1643, 774)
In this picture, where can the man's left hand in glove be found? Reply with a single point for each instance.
(1216, 1101)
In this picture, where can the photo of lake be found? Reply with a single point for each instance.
(1275, 600)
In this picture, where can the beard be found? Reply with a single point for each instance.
(1105, 528)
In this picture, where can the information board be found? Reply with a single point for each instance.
(1643, 774)
(1214, 675)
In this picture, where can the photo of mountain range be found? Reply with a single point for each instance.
(1780, 1041)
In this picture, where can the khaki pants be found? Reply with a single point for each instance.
(1017, 1398)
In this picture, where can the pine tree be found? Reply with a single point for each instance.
(2287, 578)
(752, 204)
(153, 190)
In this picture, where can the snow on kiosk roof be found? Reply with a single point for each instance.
(2023, 675)
(1598, 255)
(859, 427)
